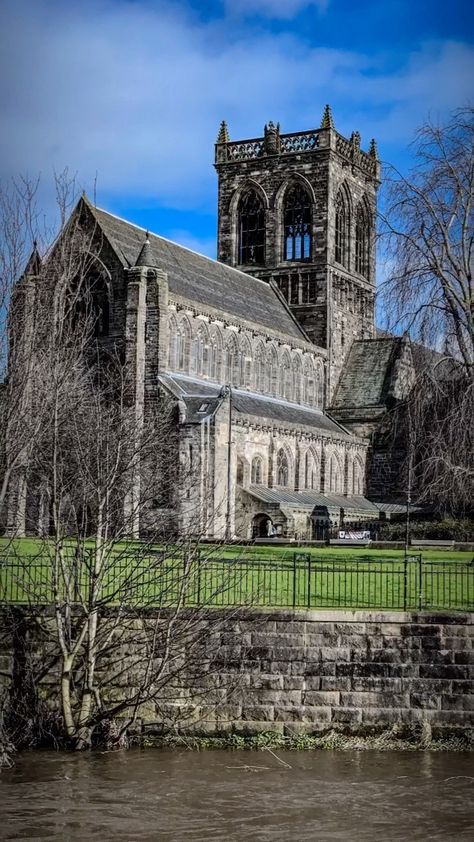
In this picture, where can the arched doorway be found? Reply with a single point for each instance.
(262, 526)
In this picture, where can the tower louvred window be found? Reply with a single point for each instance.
(251, 229)
(297, 225)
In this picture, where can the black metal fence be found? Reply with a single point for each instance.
(300, 580)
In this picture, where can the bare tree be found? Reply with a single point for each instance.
(439, 438)
(25, 299)
(428, 223)
(132, 624)
(125, 623)
(428, 228)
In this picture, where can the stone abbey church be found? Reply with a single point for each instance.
(270, 353)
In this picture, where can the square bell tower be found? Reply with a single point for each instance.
(298, 210)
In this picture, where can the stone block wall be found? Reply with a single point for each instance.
(309, 671)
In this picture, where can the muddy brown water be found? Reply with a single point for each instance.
(224, 796)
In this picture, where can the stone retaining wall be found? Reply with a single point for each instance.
(306, 671)
(311, 670)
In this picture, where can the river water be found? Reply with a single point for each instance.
(222, 796)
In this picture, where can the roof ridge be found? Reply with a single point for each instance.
(185, 248)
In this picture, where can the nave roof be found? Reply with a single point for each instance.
(201, 279)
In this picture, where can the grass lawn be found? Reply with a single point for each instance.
(31, 547)
(269, 575)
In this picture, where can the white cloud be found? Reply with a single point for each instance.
(135, 92)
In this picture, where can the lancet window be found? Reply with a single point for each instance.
(319, 384)
(334, 476)
(342, 230)
(251, 229)
(257, 471)
(286, 378)
(232, 364)
(283, 472)
(311, 472)
(357, 478)
(297, 377)
(259, 369)
(362, 241)
(183, 337)
(89, 305)
(297, 224)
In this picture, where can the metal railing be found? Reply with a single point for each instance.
(300, 580)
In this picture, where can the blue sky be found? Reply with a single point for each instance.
(130, 93)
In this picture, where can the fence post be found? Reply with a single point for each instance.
(199, 577)
(405, 582)
(420, 582)
(309, 580)
(294, 580)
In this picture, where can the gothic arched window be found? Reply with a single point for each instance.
(297, 378)
(100, 307)
(311, 472)
(200, 352)
(334, 476)
(282, 468)
(357, 478)
(362, 241)
(309, 383)
(259, 368)
(172, 344)
(257, 471)
(271, 371)
(232, 363)
(183, 342)
(319, 387)
(251, 229)
(215, 354)
(286, 378)
(88, 305)
(342, 231)
(297, 224)
(240, 471)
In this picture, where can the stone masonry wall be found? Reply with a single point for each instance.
(309, 671)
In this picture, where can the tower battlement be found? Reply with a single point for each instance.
(274, 143)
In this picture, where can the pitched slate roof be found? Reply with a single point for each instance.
(308, 499)
(201, 279)
(193, 391)
(365, 378)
